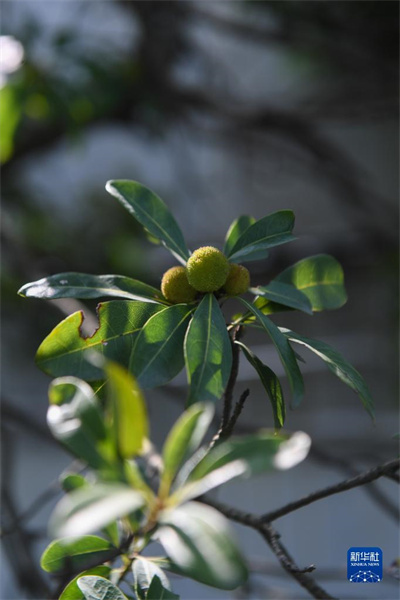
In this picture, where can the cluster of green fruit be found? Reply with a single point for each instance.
(207, 270)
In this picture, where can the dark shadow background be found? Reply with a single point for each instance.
(223, 108)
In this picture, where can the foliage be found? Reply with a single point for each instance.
(143, 340)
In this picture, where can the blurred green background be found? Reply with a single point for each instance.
(223, 108)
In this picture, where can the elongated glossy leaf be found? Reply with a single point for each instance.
(78, 397)
(85, 286)
(236, 229)
(245, 455)
(65, 350)
(198, 540)
(271, 384)
(267, 232)
(284, 350)
(94, 587)
(129, 415)
(87, 510)
(283, 293)
(157, 591)
(157, 356)
(72, 591)
(208, 352)
(320, 278)
(152, 213)
(184, 438)
(74, 554)
(144, 570)
(75, 419)
(338, 365)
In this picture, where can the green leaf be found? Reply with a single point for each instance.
(72, 591)
(77, 395)
(338, 365)
(144, 570)
(198, 540)
(320, 278)
(157, 356)
(73, 555)
(65, 350)
(271, 384)
(283, 293)
(208, 352)
(157, 591)
(75, 420)
(89, 509)
(98, 588)
(244, 455)
(184, 438)
(129, 416)
(152, 213)
(236, 229)
(84, 286)
(73, 481)
(285, 352)
(267, 232)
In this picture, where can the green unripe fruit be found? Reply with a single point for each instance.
(238, 280)
(175, 286)
(207, 269)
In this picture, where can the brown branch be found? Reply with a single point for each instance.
(389, 467)
(273, 540)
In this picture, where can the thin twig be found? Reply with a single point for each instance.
(227, 432)
(366, 477)
(226, 414)
(273, 540)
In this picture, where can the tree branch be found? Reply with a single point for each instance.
(389, 467)
(273, 540)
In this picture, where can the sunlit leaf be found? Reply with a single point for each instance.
(66, 349)
(128, 408)
(283, 293)
(152, 213)
(270, 231)
(338, 365)
(87, 510)
(198, 540)
(84, 286)
(72, 591)
(144, 570)
(184, 438)
(244, 455)
(75, 554)
(284, 350)
(271, 384)
(98, 588)
(157, 356)
(208, 352)
(320, 278)
(75, 420)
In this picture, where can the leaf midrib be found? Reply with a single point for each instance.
(207, 346)
(90, 345)
(158, 226)
(165, 343)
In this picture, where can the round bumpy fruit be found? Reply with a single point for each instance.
(175, 286)
(207, 269)
(238, 280)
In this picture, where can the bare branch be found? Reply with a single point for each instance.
(389, 467)
(273, 540)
